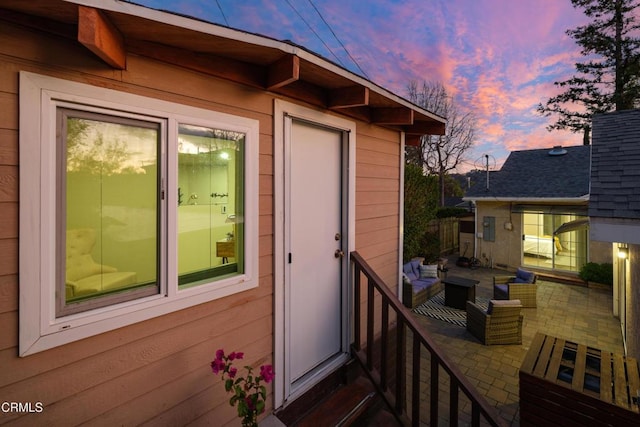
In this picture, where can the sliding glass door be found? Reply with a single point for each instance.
(557, 241)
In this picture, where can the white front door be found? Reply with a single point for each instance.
(314, 247)
(314, 231)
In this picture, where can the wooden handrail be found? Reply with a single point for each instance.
(378, 369)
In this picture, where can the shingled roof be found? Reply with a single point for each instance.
(559, 173)
(615, 171)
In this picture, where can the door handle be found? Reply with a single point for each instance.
(338, 253)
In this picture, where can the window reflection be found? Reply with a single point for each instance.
(110, 206)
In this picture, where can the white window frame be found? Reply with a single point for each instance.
(39, 327)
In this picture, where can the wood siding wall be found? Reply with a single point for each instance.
(377, 210)
(157, 371)
(633, 302)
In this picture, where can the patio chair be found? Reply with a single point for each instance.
(500, 324)
(522, 287)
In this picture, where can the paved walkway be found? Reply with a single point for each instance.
(580, 314)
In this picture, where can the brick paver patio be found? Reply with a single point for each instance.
(579, 314)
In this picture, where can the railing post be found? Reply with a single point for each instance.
(415, 383)
(357, 272)
(384, 337)
(401, 366)
(453, 402)
(434, 390)
(370, 322)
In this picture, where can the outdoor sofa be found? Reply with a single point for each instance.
(420, 282)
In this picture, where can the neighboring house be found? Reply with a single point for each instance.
(614, 211)
(170, 187)
(533, 212)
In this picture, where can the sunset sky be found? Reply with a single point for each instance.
(498, 58)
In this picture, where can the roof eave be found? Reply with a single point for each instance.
(563, 200)
(421, 121)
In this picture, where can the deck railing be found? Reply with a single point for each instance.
(416, 393)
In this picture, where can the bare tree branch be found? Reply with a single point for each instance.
(439, 154)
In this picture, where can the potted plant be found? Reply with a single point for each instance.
(248, 393)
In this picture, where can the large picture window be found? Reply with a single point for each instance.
(549, 240)
(130, 208)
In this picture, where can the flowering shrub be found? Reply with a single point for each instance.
(248, 393)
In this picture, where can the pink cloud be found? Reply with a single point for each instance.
(499, 58)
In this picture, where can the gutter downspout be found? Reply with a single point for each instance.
(475, 236)
(401, 217)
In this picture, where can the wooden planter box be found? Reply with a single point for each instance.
(569, 384)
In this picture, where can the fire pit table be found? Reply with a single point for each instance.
(458, 290)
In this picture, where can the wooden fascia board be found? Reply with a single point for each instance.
(426, 128)
(349, 97)
(304, 91)
(392, 116)
(225, 68)
(67, 31)
(283, 72)
(412, 140)
(101, 37)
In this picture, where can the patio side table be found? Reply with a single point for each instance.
(458, 290)
(567, 383)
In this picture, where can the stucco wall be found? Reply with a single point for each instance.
(600, 252)
(505, 251)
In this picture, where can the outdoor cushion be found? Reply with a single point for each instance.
(429, 271)
(412, 270)
(501, 303)
(501, 292)
(524, 276)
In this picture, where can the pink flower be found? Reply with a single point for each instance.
(232, 372)
(266, 372)
(217, 365)
(220, 354)
(236, 355)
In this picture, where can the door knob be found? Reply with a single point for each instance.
(338, 253)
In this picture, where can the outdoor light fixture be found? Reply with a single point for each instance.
(623, 252)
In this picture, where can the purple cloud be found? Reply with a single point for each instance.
(499, 58)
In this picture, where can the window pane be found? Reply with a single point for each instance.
(111, 209)
(210, 203)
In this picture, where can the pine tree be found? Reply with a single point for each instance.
(608, 79)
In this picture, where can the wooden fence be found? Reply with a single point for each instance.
(448, 231)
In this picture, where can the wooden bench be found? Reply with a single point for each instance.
(570, 384)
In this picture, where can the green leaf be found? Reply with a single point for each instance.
(228, 384)
(243, 409)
